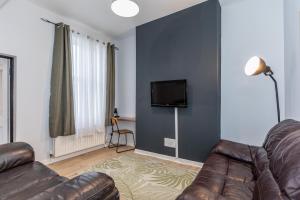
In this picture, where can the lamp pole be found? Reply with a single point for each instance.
(270, 74)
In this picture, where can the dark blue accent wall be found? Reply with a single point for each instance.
(184, 45)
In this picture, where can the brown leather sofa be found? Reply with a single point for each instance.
(241, 172)
(23, 178)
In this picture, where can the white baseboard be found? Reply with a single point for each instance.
(169, 158)
(78, 153)
(137, 151)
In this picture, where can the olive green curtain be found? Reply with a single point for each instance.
(110, 84)
(61, 113)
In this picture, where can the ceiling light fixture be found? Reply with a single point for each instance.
(125, 8)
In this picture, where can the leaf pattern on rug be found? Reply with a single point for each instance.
(110, 164)
(146, 178)
(174, 180)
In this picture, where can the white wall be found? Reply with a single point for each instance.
(251, 27)
(292, 58)
(126, 81)
(3, 133)
(126, 74)
(25, 36)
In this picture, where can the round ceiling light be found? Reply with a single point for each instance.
(125, 8)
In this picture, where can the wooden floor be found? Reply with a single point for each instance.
(74, 166)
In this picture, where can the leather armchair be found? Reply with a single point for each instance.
(87, 186)
(23, 178)
(14, 155)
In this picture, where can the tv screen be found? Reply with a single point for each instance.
(169, 93)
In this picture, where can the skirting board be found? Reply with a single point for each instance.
(54, 160)
(169, 158)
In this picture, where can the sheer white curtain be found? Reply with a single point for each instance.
(89, 83)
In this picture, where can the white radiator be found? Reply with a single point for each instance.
(70, 144)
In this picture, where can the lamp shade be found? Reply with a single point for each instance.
(255, 66)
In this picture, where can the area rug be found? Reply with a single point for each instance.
(145, 178)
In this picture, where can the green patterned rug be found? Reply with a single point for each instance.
(145, 178)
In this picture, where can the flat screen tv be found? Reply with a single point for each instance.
(169, 93)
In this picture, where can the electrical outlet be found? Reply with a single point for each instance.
(170, 143)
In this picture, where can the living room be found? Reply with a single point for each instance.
(137, 99)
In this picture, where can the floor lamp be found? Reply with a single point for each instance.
(256, 66)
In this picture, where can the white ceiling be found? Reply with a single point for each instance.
(3, 2)
(98, 15)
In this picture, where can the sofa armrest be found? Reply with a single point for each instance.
(14, 155)
(196, 192)
(234, 150)
(88, 186)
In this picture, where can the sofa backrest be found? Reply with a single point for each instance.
(278, 132)
(278, 168)
(285, 165)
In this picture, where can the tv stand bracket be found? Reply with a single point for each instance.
(176, 132)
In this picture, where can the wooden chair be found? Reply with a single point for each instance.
(125, 132)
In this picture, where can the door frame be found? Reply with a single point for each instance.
(12, 95)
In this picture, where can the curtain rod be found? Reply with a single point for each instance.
(48, 21)
(57, 24)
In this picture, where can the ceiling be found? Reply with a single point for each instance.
(98, 15)
(2, 3)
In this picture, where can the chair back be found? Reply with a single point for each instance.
(114, 123)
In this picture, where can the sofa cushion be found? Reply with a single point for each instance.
(196, 192)
(267, 188)
(285, 165)
(92, 185)
(278, 132)
(231, 168)
(235, 190)
(27, 180)
(224, 186)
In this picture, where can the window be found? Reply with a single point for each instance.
(89, 82)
